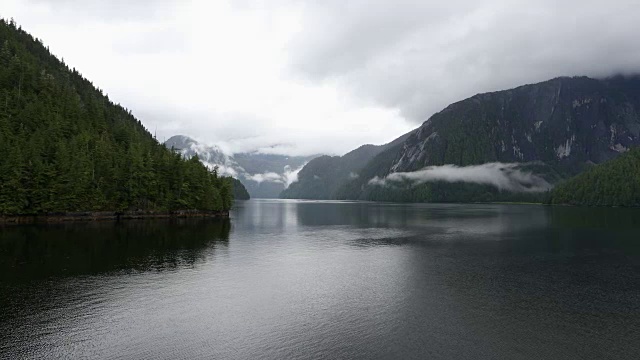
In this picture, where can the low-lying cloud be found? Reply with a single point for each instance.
(289, 176)
(507, 177)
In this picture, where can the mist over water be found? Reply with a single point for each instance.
(312, 280)
(504, 176)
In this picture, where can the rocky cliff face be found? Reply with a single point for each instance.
(565, 125)
(568, 122)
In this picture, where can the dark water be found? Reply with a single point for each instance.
(328, 280)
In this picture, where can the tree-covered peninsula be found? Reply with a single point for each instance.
(65, 147)
(613, 183)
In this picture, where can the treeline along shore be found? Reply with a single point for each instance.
(64, 217)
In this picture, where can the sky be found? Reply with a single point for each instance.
(302, 77)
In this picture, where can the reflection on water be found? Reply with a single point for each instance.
(303, 279)
(62, 281)
(28, 252)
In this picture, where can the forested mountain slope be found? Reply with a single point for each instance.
(566, 124)
(613, 183)
(323, 176)
(239, 191)
(66, 147)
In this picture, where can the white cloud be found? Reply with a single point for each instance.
(222, 169)
(420, 56)
(267, 176)
(211, 70)
(287, 177)
(502, 176)
(305, 77)
(291, 175)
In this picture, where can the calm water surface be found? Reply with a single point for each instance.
(328, 280)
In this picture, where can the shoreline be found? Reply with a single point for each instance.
(463, 203)
(85, 216)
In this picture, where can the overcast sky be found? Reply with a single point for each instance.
(307, 76)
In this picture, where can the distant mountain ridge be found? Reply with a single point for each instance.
(322, 176)
(564, 124)
(263, 175)
(210, 155)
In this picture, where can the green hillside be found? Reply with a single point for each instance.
(66, 147)
(323, 177)
(239, 191)
(613, 183)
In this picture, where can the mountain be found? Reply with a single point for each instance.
(560, 127)
(613, 183)
(568, 122)
(66, 147)
(263, 175)
(209, 155)
(322, 176)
